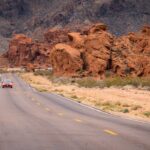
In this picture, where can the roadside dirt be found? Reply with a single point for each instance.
(125, 101)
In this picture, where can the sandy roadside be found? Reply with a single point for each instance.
(128, 102)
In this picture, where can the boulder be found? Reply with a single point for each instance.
(131, 54)
(66, 60)
(23, 51)
(97, 55)
(19, 49)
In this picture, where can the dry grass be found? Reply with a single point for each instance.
(116, 81)
(121, 101)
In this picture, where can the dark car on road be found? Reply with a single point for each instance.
(6, 83)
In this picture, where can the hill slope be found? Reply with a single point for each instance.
(33, 16)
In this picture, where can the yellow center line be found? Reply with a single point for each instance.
(32, 99)
(47, 109)
(110, 132)
(78, 120)
(38, 104)
(60, 114)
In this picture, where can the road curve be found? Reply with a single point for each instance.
(30, 120)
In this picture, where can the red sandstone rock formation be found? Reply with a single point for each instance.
(131, 54)
(100, 52)
(98, 44)
(54, 36)
(66, 60)
(23, 51)
(92, 52)
(19, 49)
(93, 48)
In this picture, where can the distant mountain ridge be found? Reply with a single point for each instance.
(33, 16)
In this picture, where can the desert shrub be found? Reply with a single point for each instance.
(74, 97)
(108, 74)
(118, 103)
(88, 83)
(110, 106)
(43, 73)
(125, 110)
(61, 80)
(116, 81)
(98, 104)
(136, 82)
(125, 105)
(136, 107)
(147, 113)
(107, 103)
(91, 82)
(145, 82)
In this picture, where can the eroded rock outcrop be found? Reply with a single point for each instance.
(54, 36)
(97, 53)
(131, 54)
(100, 52)
(66, 60)
(19, 49)
(24, 51)
(93, 48)
(91, 52)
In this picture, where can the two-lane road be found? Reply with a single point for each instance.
(30, 120)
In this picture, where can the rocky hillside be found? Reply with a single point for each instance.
(64, 35)
(33, 16)
(92, 52)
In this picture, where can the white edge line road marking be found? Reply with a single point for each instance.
(47, 109)
(78, 120)
(60, 114)
(90, 107)
(100, 111)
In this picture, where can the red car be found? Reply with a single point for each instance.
(7, 84)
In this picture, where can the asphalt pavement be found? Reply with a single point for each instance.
(30, 120)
